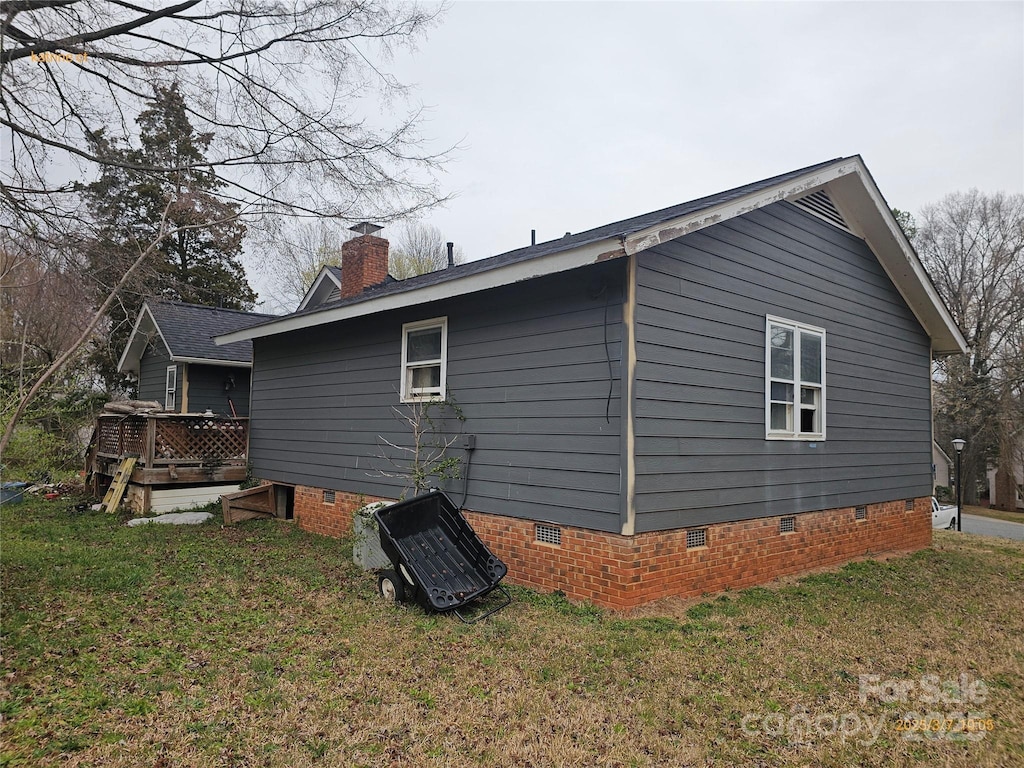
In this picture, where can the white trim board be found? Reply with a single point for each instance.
(550, 264)
(787, 190)
(132, 339)
(324, 272)
(848, 182)
(205, 361)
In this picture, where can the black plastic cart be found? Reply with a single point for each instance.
(438, 560)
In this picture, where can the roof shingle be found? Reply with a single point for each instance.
(188, 329)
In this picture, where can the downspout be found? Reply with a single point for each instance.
(627, 484)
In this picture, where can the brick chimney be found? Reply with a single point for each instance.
(364, 261)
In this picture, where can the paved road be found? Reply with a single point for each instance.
(986, 526)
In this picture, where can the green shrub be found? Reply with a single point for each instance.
(37, 455)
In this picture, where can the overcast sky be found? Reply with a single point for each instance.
(572, 115)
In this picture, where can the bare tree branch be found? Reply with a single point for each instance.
(973, 247)
(75, 41)
(304, 118)
(287, 81)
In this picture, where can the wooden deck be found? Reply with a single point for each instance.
(172, 449)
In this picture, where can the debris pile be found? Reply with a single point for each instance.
(133, 407)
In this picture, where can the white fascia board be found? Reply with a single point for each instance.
(855, 193)
(683, 225)
(325, 273)
(860, 200)
(550, 264)
(331, 276)
(870, 216)
(206, 361)
(122, 363)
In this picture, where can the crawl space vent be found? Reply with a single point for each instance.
(787, 525)
(549, 534)
(908, 505)
(861, 513)
(328, 497)
(820, 204)
(697, 537)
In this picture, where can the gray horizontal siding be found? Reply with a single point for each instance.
(701, 452)
(528, 365)
(206, 389)
(153, 374)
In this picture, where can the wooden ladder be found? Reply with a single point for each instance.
(117, 486)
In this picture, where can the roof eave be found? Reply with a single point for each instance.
(854, 190)
(212, 361)
(866, 210)
(785, 190)
(552, 263)
(847, 179)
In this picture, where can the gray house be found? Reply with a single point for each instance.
(171, 351)
(707, 396)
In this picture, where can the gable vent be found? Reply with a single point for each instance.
(820, 204)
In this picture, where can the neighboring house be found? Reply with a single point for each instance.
(941, 466)
(1006, 488)
(704, 397)
(171, 351)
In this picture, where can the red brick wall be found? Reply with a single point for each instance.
(315, 515)
(623, 572)
(626, 571)
(364, 262)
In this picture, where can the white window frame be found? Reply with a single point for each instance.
(171, 388)
(796, 328)
(407, 394)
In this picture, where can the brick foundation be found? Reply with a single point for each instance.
(626, 571)
(328, 518)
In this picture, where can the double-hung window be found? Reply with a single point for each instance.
(794, 381)
(171, 389)
(424, 359)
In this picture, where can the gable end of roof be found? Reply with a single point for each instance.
(142, 333)
(187, 332)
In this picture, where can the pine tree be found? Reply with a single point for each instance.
(198, 266)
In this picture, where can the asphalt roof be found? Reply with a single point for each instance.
(188, 329)
(615, 229)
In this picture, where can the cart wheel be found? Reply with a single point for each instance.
(391, 587)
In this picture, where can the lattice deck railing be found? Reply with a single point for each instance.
(174, 439)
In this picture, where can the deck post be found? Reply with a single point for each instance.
(149, 447)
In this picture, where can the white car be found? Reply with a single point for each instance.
(943, 516)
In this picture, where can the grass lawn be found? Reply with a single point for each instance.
(261, 645)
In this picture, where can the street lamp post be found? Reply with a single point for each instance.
(959, 445)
